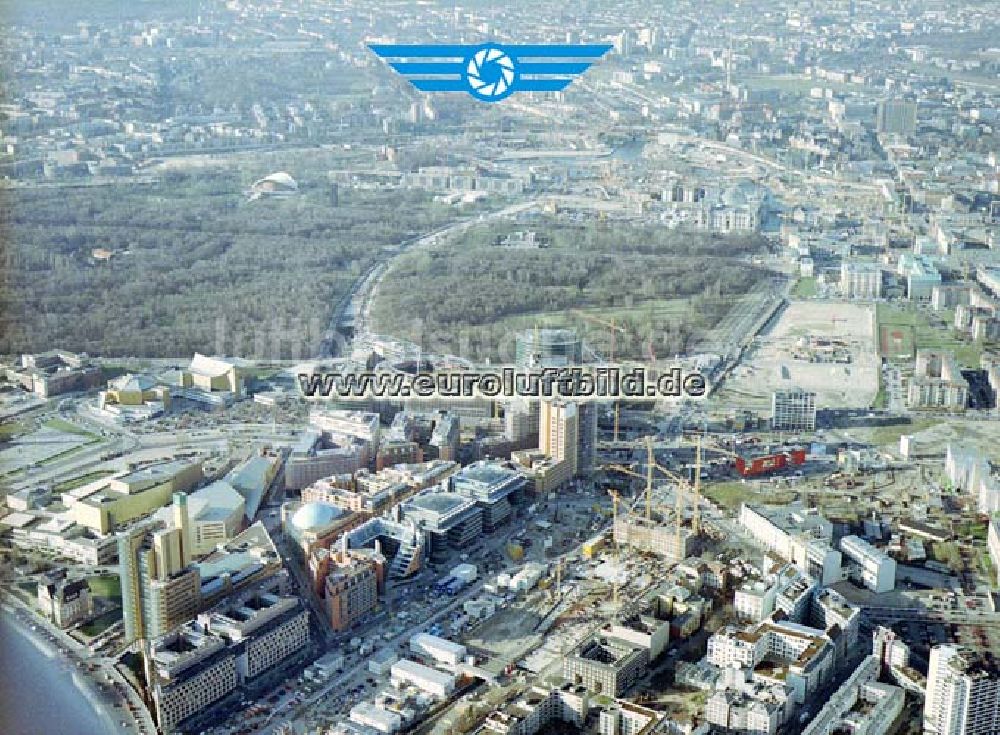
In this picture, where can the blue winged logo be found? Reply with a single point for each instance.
(490, 72)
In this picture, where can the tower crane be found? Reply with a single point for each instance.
(614, 522)
(682, 487)
(611, 358)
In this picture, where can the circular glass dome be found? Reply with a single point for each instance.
(313, 516)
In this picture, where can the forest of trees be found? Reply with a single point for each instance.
(195, 266)
(662, 287)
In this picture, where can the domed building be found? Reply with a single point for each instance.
(279, 184)
(316, 525)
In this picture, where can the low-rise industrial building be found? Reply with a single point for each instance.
(409, 673)
(440, 649)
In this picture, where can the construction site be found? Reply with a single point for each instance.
(826, 348)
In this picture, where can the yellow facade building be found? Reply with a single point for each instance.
(125, 497)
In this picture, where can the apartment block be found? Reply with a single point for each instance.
(963, 692)
(860, 281)
(937, 383)
(861, 705)
(869, 566)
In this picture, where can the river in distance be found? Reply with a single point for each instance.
(38, 694)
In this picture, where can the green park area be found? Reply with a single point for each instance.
(805, 288)
(901, 331)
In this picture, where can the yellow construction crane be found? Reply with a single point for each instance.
(611, 357)
(614, 522)
(682, 487)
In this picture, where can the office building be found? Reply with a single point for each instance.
(542, 473)
(556, 348)
(237, 647)
(963, 692)
(312, 458)
(448, 520)
(793, 409)
(869, 566)
(558, 431)
(392, 452)
(493, 486)
(345, 426)
(445, 435)
(402, 542)
(160, 589)
(921, 275)
(547, 348)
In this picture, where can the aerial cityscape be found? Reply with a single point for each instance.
(420, 368)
